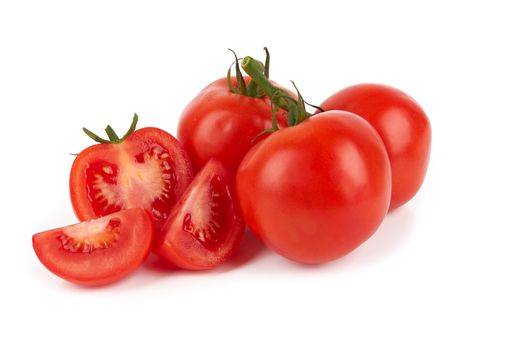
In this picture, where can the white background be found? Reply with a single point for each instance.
(445, 271)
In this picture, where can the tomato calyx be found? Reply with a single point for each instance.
(251, 89)
(112, 135)
(280, 98)
(261, 86)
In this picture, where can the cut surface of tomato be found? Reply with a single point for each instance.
(205, 227)
(149, 170)
(98, 251)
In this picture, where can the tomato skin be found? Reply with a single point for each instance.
(207, 203)
(223, 125)
(100, 266)
(404, 128)
(88, 205)
(316, 191)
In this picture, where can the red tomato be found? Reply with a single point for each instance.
(205, 227)
(315, 191)
(98, 251)
(224, 125)
(149, 170)
(403, 126)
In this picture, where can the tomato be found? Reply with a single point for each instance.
(205, 227)
(403, 126)
(315, 191)
(98, 251)
(149, 169)
(224, 125)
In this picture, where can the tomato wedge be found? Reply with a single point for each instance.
(148, 169)
(98, 251)
(205, 227)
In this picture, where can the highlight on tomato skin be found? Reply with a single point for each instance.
(98, 251)
(316, 191)
(403, 126)
(205, 227)
(224, 125)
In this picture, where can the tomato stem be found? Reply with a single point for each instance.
(281, 98)
(253, 68)
(252, 89)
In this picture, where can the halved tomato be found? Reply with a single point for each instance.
(98, 251)
(148, 168)
(205, 227)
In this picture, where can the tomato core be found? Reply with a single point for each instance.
(89, 236)
(143, 180)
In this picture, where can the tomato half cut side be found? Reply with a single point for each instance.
(205, 227)
(149, 170)
(98, 251)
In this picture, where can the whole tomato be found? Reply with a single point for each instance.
(315, 191)
(403, 127)
(227, 118)
(223, 125)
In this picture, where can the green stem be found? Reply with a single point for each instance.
(253, 69)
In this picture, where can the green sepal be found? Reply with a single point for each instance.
(113, 137)
(238, 74)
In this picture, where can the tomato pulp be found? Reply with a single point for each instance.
(98, 251)
(206, 226)
(149, 170)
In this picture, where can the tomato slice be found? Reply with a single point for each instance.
(205, 227)
(98, 251)
(149, 170)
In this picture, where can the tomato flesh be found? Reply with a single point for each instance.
(98, 251)
(143, 180)
(148, 170)
(205, 227)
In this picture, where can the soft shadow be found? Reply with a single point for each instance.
(250, 247)
(159, 265)
(155, 269)
(390, 236)
(395, 229)
(249, 250)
